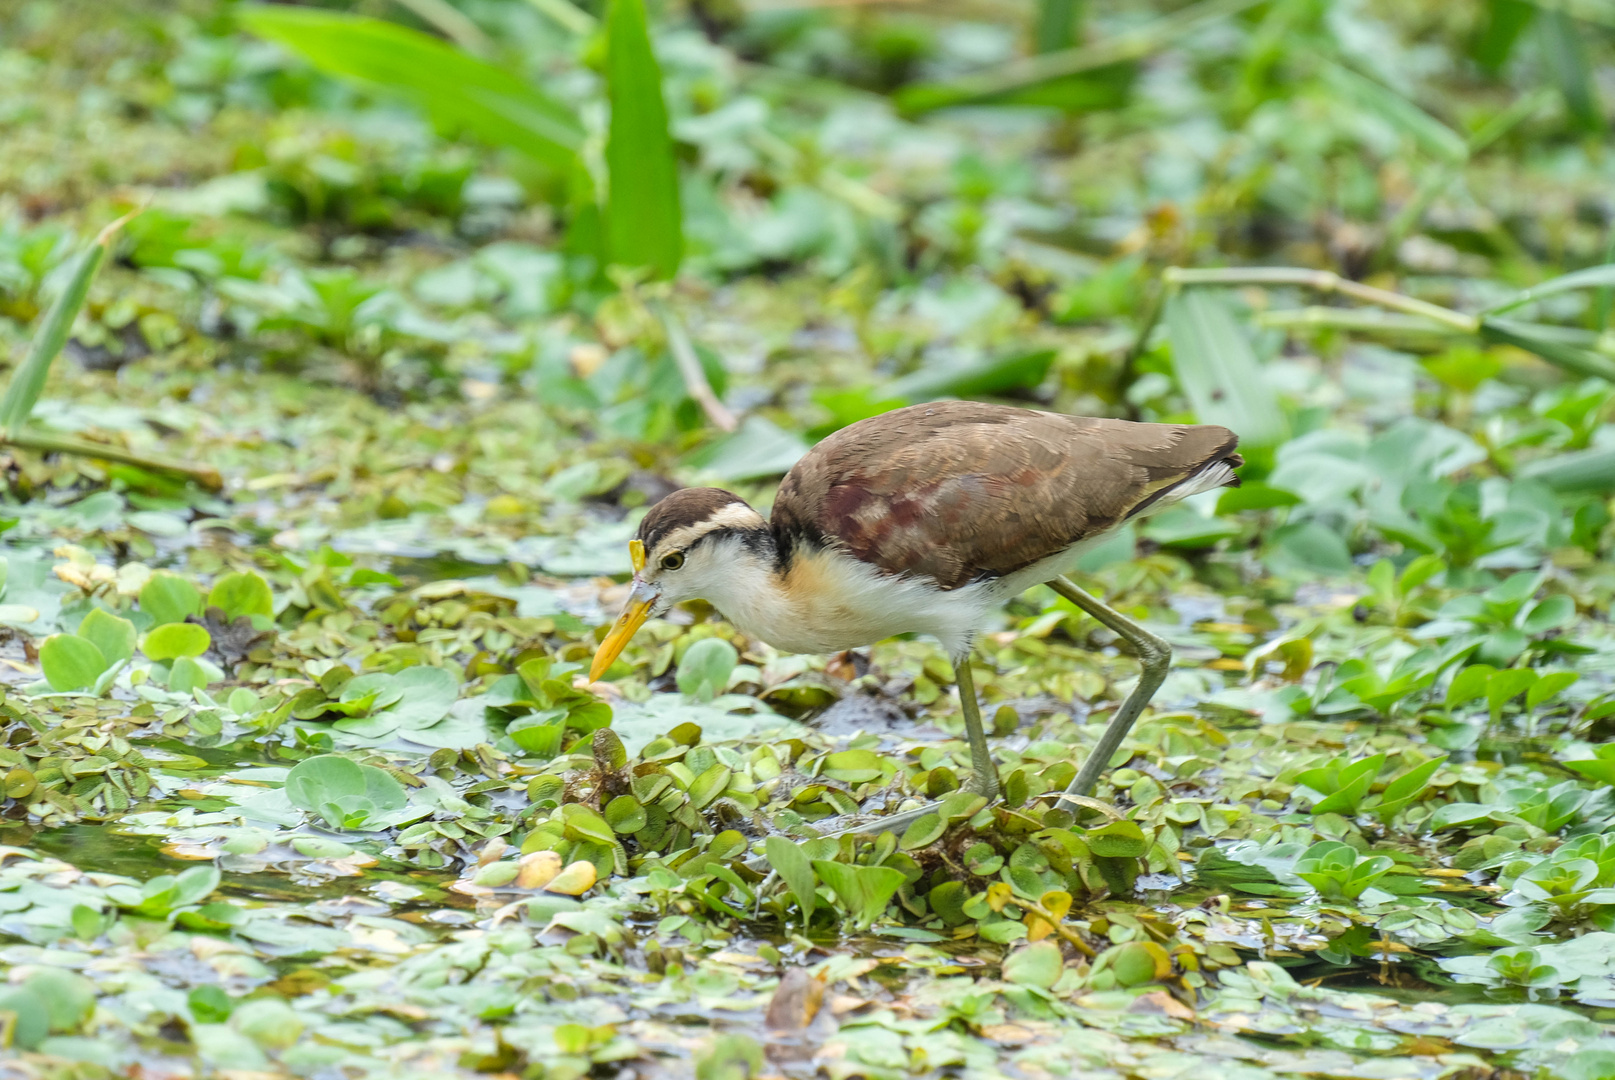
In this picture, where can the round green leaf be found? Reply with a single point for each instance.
(625, 814)
(115, 637)
(70, 662)
(242, 593)
(174, 640)
(1039, 964)
(168, 598)
(923, 833)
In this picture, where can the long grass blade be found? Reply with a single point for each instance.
(1032, 71)
(1564, 55)
(1056, 26)
(457, 90)
(1432, 136)
(1506, 20)
(1580, 470)
(1592, 277)
(644, 224)
(1219, 371)
(1561, 354)
(28, 382)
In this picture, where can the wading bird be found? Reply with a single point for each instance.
(925, 520)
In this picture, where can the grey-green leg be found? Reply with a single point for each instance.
(1154, 655)
(983, 774)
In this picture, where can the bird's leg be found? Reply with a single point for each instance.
(1155, 656)
(983, 774)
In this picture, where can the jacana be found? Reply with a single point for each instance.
(927, 519)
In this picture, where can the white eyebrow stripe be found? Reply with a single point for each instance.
(735, 515)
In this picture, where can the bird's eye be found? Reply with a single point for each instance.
(673, 561)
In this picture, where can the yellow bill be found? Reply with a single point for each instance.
(634, 613)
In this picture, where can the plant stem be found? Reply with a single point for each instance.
(1131, 45)
(695, 380)
(1324, 281)
(1048, 916)
(448, 19)
(205, 475)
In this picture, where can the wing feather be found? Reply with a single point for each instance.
(959, 491)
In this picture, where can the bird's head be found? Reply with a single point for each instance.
(689, 546)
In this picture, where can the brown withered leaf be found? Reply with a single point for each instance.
(796, 1001)
(232, 639)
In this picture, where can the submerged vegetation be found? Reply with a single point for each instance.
(320, 470)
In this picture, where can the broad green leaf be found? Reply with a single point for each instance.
(242, 593)
(1506, 20)
(185, 675)
(705, 669)
(758, 448)
(852, 766)
(924, 832)
(863, 890)
(458, 91)
(644, 223)
(70, 662)
(173, 640)
(115, 637)
(998, 374)
(1549, 686)
(1119, 840)
(1038, 964)
(28, 380)
(169, 598)
(796, 870)
(1507, 685)
(625, 814)
(314, 781)
(1219, 371)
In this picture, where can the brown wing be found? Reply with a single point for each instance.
(957, 491)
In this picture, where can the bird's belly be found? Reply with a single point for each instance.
(832, 602)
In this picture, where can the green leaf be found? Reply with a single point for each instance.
(71, 662)
(173, 640)
(1506, 21)
(1549, 686)
(1118, 840)
(1565, 59)
(999, 374)
(758, 448)
(1540, 340)
(115, 637)
(644, 224)
(1468, 684)
(852, 766)
(863, 890)
(704, 672)
(185, 675)
(458, 91)
(1218, 370)
(242, 593)
(1038, 964)
(625, 814)
(796, 870)
(1591, 470)
(168, 598)
(25, 1014)
(925, 831)
(1590, 278)
(1010, 82)
(1432, 136)
(28, 380)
